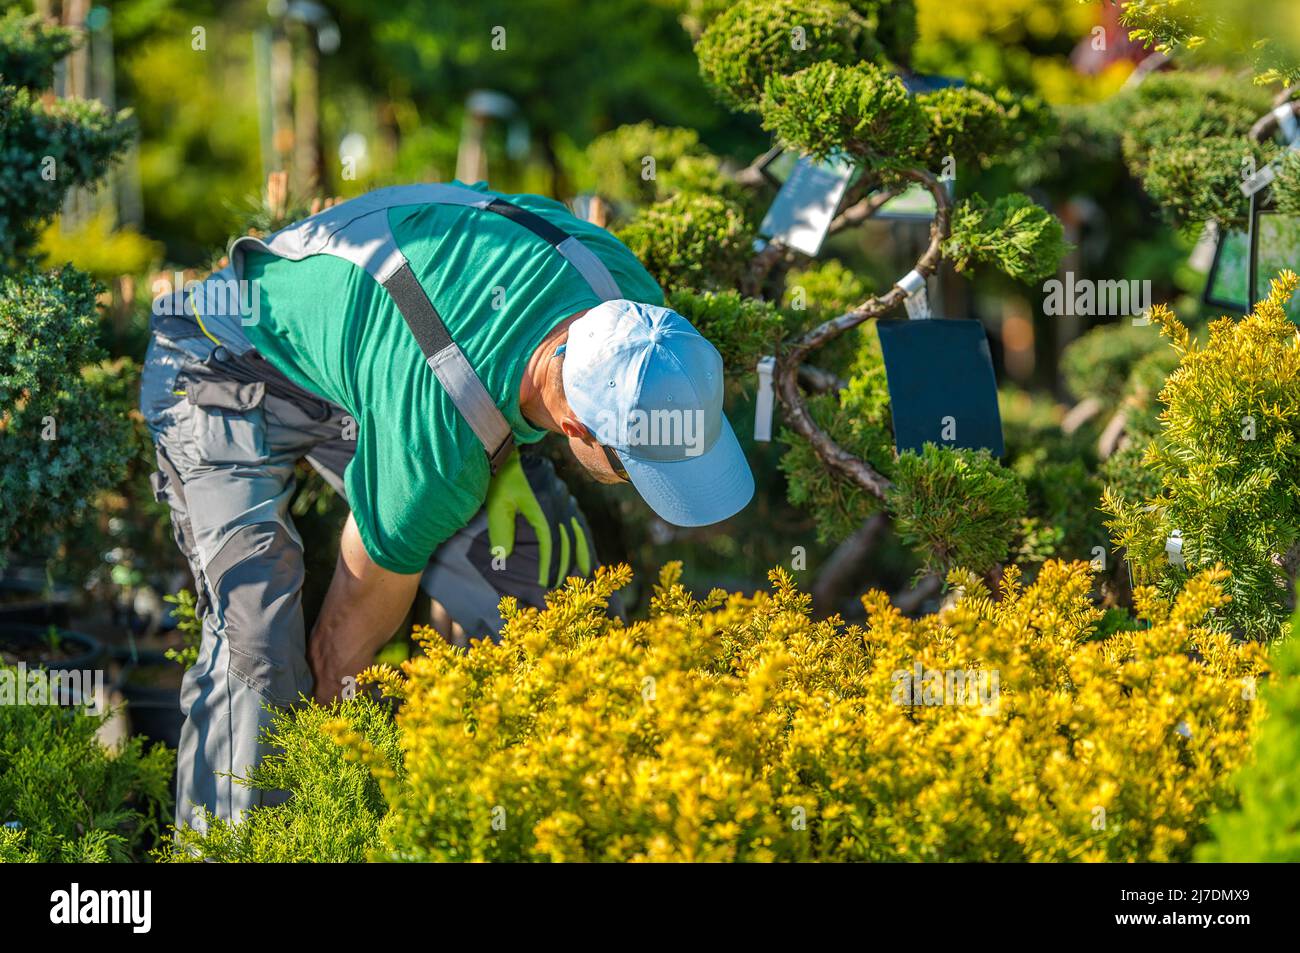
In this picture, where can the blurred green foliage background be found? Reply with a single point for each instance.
(349, 95)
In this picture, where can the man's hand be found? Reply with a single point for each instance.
(510, 495)
(363, 608)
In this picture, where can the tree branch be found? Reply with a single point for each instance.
(909, 601)
(1112, 435)
(788, 361)
(841, 567)
(1080, 414)
(760, 266)
(820, 381)
(1266, 124)
(752, 175)
(860, 211)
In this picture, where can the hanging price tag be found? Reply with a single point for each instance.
(1174, 549)
(763, 402)
(941, 384)
(1259, 180)
(917, 302)
(1202, 256)
(1286, 123)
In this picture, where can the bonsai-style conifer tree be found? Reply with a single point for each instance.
(827, 79)
(64, 429)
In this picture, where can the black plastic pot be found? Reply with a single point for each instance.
(25, 601)
(150, 684)
(66, 651)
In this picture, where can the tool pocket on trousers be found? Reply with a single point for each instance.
(228, 422)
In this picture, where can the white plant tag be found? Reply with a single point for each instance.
(1174, 549)
(1259, 180)
(1202, 256)
(764, 400)
(1286, 123)
(917, 303)
(802, 211)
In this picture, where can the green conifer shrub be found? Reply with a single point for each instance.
(65, 424)
(1264, 824)
(1226, 461)
(743, 328)
(681, 163)
(1186, 139)
(65, 798)
(982, 126)
(861, 109)
(72, 140)
(1014, 234)
(337, 807)
(751, 42)
(956, 509)
(691, 240)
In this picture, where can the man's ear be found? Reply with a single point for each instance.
(570, 427)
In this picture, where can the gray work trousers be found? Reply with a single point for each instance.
(228, 431)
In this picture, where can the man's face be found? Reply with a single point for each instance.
(593, 458)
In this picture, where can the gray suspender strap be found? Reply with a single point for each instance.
(450, 366)
(577, 254)
(357, 231)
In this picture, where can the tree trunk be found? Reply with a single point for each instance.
(840, 571)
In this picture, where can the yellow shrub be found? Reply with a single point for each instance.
(737, 728)
(100, 248)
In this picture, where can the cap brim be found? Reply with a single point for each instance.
(699, 490)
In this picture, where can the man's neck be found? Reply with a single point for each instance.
(536, 383)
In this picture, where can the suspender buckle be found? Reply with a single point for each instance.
(498, 457)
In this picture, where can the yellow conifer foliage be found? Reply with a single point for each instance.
(737, 728)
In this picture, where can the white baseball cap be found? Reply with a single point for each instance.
(649, 386)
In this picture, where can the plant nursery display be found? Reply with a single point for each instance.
(706, 431)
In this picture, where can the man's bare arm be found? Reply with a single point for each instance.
(363, 608)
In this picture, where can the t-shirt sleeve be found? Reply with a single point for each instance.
(402, 518)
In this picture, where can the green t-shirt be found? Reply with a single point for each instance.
(420, 473)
